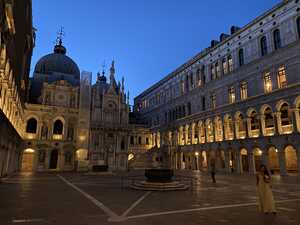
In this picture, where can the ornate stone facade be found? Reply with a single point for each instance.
(236, 102)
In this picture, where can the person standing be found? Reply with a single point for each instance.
(263, 183)
(213, 170)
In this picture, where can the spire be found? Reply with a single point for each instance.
(128, 97)
(59, 48)
(112, 74)
(123, 85)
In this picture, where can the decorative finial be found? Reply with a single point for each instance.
(60, 35)
(103, 67)
(123, 84)
(112, 68)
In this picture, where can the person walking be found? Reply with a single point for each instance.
(213, 170)
(263, 183)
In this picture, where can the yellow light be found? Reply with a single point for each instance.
(260, 152)
(29, 150)
(276, 150)
(196, 153)
(130, 156)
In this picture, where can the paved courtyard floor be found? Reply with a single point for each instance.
(88, 199)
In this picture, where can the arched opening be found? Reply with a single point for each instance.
(241, 126)
(244, 160)
(277, 39)
(204, 160)
(53, 159)
(263, 46)
(28, 160)
(58, 127)
(291, 159)
(31, 126)
(232, 161)
(228, 125)
(269, 122)
(230, 63)
(241, 57)
(254, 124)
(209, 131)
(273, 160)
(257, 158)
(218, 129)
(286, 121)
(202, 132)
(221, 155)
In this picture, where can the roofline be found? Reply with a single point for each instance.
(208, 50)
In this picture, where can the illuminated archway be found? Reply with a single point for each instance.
(28, 160)
(291, 159)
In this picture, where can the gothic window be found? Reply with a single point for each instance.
(281, 77)
(241, 57)
(269, 120)
(285, 117)
(231, 95)
(218, 70)
(58, 127)
(263, 46)
(298, 26)
(225, 66)
(244, 90)
(31, 126)
(267, 82)
(277, 39)
(212, 72)
(230, 63)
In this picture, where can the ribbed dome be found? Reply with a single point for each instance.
(57, 62)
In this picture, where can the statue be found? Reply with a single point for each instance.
(44, 131)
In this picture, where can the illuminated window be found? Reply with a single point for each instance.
(199, 77)
(225, 66)
(241, 57)
(298, 26)
(230, 63)
(231, 95)
(263, 46)
(281, 77)
(277, 39)
(267, 82)
(244, 90)
(31, 126)
(213, 101)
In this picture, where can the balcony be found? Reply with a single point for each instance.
(270, 131)
(254, 133)
(287, 129)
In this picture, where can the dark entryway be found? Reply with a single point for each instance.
(53, 159)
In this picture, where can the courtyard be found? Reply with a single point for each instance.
(91, 198)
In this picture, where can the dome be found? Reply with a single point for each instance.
(57, 62)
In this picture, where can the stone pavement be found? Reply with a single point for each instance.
(88, 199)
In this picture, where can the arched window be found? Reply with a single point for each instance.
(285, 117)
(225, 66)
(58, 127)
(31, 126)
(263, 46)
(230, 63)
(298, 26)
(277, 39)
(269, 119)
(241, 57)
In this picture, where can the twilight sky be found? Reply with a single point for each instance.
(147, 38)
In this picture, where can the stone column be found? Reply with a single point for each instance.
(262, 125)
(298, 160)
(238, 163)
(278, 119)
(282, 162)
(294, 120)
(249, 127)
(227, 167)
(252, 169)
(297, 119)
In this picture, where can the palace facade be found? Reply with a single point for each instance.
(237, 102)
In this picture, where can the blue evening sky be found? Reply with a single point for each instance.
(147, 38)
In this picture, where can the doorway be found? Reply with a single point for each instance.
(53, 159)
(27, 160)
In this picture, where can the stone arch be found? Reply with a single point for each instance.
(31, 125)
(218, 129)
(228, 127)
(291, 160)
(209, 130)
(240, 125)
(268, 121)
(202, 131)
(273, 159)
(28, 160)
(254, 123)
(244, 160)
(257, 154)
